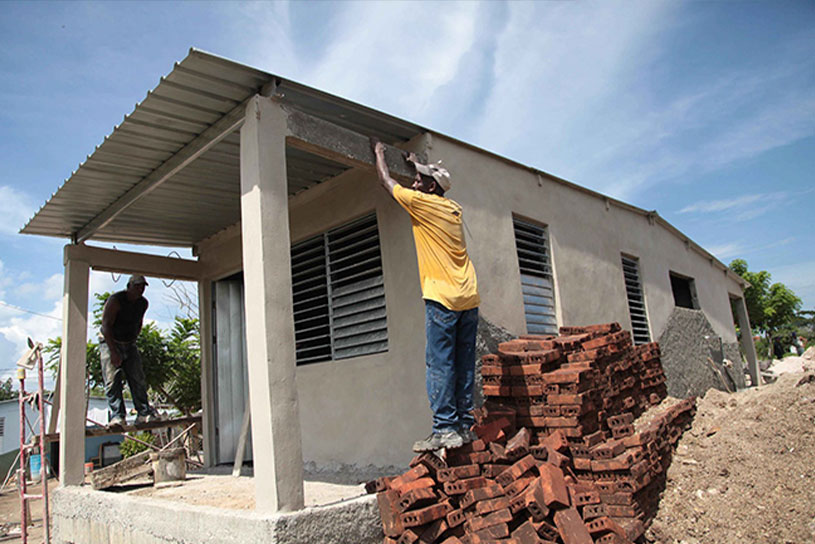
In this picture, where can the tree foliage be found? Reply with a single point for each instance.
(7, 390)
(171, 359)
(772, 307)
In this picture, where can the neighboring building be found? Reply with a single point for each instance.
(307, 274)
(10, 430)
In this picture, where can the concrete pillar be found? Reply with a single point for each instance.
(747, 339)
(207, 387)
(276, 442)
(72, 386)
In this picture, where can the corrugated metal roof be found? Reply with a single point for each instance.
(204, 197)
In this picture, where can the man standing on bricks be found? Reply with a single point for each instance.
(450, 292)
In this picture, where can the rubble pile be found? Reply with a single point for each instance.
(560, 455)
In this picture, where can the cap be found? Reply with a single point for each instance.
(435, 171)
(137, 279)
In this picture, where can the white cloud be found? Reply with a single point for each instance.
(721, 205)
(16, 208)
(725, 251)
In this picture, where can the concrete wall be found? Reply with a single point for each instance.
(368, 410)
(588, 234)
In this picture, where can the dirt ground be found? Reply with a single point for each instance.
(10, 515)
(745, 470)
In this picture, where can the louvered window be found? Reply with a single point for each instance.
(532, 244)
(339, 294)
(2, 426)
(636, 301)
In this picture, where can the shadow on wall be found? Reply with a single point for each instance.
(693, 356)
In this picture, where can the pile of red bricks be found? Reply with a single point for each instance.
(578, 471)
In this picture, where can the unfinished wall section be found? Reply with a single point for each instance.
(83, 516)
(689, 349)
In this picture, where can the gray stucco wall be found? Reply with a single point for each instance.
(370, 409)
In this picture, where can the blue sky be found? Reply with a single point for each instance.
(702, 111)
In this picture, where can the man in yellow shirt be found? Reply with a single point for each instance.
(450, 291)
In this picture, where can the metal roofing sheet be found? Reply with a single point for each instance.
(204, 197)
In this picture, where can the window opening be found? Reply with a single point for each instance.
(684, 291)
(537, 286)
(636, 301)
(339, 293)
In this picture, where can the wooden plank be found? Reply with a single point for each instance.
(107, 431)
(124, 470)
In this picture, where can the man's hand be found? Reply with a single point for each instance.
(381, 166)
(115, 358)
(411, 157)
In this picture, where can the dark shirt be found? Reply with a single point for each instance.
(128, 321)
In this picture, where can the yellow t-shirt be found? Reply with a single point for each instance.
(446, 273)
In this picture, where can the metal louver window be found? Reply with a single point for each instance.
(532, 244)
(636, 301)
(339, 294)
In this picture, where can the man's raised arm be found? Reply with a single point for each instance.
(381, 167)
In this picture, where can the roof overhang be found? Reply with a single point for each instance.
(169, 174)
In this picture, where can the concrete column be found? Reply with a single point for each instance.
(72, 386)
(207, 388)
(276, 442)
(747, 339)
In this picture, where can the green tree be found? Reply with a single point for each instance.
(7, 390)
(772, 307)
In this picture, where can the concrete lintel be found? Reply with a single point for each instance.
(128, 262)
(72, 373)
(342, 145)
(276, 439)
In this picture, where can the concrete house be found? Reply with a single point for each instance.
(311, 310)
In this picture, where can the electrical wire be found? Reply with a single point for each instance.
(13, 307)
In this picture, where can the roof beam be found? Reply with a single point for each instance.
(342, 145)
(129, 262)
(219, 130)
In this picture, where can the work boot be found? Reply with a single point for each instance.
(117, 421)
(437, 441)
(149, 418)
(467, 435)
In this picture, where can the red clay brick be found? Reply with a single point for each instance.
(451, 474)
(388, 502)
(455, 518)
(417, 498)
(410, 536)
(426, 515)
(604, 525)
(433, 532)
(478, 523)
(415, 484)
(571, 528)
(379, 485)
(518, 485)
(516, 470)
(553, 485)
(494, 430)
(415, 473)
(491, 505)
(459, 487)
(482, 493)
(495, 532)
(431, 461)
(591, 511)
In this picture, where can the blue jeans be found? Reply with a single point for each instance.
(130, 370)
(450, 360)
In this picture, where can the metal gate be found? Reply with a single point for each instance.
(230, 375)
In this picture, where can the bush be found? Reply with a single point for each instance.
(129, 448)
